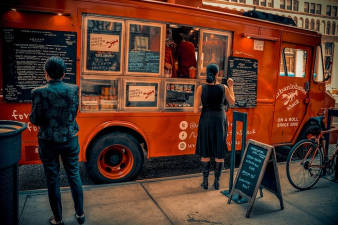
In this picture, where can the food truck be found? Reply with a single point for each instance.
(136, 102)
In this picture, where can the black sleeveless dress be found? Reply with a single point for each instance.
(212, 127)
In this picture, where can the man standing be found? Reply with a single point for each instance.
(54, 108)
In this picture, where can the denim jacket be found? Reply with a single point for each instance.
(54, 108)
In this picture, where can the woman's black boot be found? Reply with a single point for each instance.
(205, 172)
(218, 170)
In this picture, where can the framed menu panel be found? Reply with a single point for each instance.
(179, 95)
(144, 48)
(215, 48)
(103, 44)
(141, 94)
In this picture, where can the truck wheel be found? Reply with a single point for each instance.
(114, 157)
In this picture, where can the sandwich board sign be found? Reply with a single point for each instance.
(258, 169)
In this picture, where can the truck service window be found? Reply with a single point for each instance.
(215, 49)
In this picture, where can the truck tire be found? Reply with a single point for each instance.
(114, 157)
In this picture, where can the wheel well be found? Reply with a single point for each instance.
(121, 129)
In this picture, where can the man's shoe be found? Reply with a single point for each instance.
(80, 219)
(52, 221)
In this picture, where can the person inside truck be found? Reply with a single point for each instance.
(186, 56)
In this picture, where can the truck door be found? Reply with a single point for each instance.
(291, 91)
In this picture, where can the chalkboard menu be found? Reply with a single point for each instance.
(143, 61)
(24, 55)
(251, 168)
(244, 73)
(258, 169)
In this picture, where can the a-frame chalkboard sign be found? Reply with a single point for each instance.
(258, 169)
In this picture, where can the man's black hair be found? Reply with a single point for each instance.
(55, 67)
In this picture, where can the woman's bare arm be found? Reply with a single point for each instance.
(197, 100)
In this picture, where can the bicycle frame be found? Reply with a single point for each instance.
(319, 143)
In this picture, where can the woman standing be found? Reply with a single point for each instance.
(212, 128)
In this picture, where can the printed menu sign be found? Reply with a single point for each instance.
(24, 55)
(140, 94)
(244, 73)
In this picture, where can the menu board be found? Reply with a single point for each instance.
(143, 61)
(24, 55)
(251, 168)
(244, 73)
(103, 46)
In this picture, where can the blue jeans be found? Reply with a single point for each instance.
(49, 154)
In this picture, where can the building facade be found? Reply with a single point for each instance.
(317, 15)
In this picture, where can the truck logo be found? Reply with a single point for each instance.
(290, 95)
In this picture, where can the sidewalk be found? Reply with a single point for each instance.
(180, 200)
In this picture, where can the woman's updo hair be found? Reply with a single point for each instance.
(212, 70)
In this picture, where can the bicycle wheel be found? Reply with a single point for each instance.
(304, 164)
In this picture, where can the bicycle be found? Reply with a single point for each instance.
(308, 161)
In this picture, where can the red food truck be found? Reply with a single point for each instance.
(135, 103)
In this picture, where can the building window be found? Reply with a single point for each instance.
(242, 1)
(301, 22)
(295, 5)
(306, 7)
(263, 2)
(256, 2)
(322, 28)
(270, 3)
(319, 9)
(317, 25)
(328, 10)
(334, 11)
(289, 4)
(234, 0)
(296, 21)
(328, 28)
(312, 25)
(306, 23)
(282, 4)
(334, 28)
(312, 8)
(328, 57)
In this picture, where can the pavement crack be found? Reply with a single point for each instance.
(23, 209)
(156, 203)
